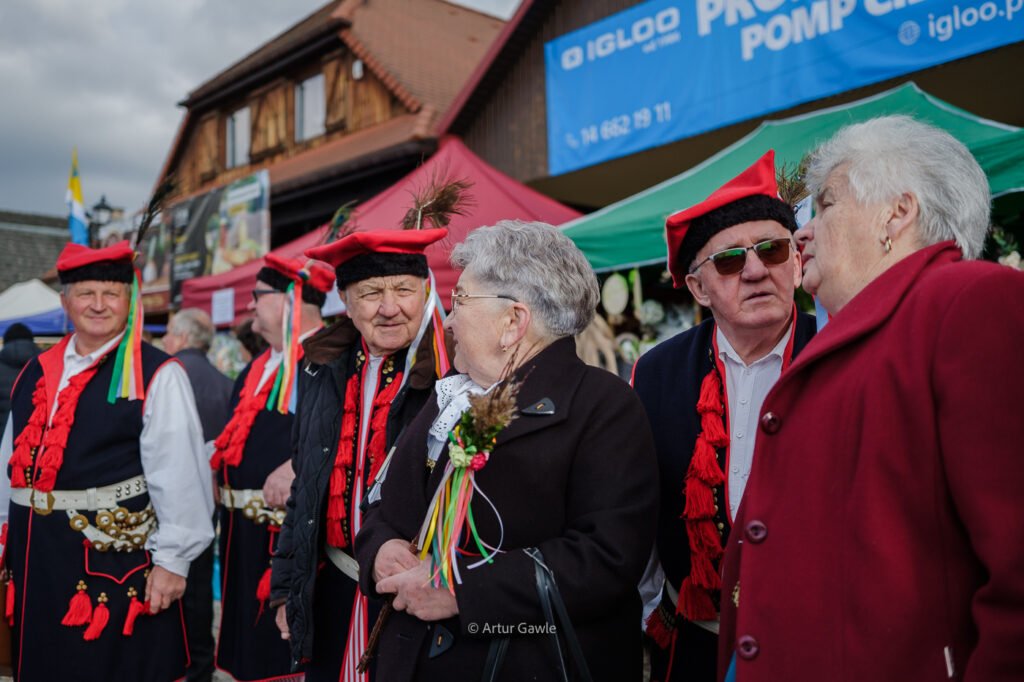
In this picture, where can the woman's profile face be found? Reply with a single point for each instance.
(842, 244)
(477, 324)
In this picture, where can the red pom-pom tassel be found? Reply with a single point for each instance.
(9, 605)
(79, 608)
(658, 630)
(136, 608)
(100, 618)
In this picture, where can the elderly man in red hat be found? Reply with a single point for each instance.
(252, 460)
(364, 379)
(110, 495)
(703, 390)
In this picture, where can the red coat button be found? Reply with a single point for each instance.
(770, 423)
(756, 531)
(747, 647)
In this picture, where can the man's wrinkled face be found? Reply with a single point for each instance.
(98, 310)
(759, 295)
(387, 311)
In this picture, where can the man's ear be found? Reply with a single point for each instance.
(696, 287)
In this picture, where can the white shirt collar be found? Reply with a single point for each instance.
(726, 350)
(71, 351)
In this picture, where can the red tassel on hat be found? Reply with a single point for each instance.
(9, 606)
(100, 618)
(658, 630)
(79, 608)
(136, 608)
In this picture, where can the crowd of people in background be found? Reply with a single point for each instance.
(413, 493)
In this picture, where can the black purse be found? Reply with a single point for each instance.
(555, 615)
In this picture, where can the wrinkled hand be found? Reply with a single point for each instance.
(278, 486)
(393, 557)
(282, 622)
(416, 596)
(163, 588)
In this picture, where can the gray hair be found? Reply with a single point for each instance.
(887, 156)
(539, 266)
(195, 326)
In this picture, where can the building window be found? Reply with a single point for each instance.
(238, 138)
(310, 109)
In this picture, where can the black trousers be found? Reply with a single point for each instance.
(198, 606)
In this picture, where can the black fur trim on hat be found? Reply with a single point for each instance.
(102, 271)
(745, 210)
(367, 265)
(279, 281)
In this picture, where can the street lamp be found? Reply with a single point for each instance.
(99, 216)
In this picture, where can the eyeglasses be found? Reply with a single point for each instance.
(731, 261)
(256, 293)
(458, 299)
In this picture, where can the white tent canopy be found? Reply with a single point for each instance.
(27, 298)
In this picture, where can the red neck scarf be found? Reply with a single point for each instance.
(230, 444)
(387, 388)
(52, 439)
(703, 476)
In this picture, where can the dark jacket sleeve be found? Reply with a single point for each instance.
(403, 500)
(282, 562)
(611, 502)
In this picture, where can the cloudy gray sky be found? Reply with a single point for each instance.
(105, 76)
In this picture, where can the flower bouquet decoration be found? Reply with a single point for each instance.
(449, 522)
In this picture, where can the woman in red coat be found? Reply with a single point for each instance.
(881, 527)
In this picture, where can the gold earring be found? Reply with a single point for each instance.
(888, 244)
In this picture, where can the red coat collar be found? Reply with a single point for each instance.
(876, 302)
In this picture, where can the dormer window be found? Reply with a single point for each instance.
(310, 108)
(238, 127)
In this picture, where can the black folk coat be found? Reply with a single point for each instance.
(576, 478)
(315, 435)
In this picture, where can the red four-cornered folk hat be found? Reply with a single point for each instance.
(751, 195)
(279, 272)
(78, 263)
(378, 253)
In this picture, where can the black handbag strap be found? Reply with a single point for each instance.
(555, 615)
(551, 599)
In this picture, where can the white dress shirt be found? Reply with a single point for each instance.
(747, 386)
(174, 461)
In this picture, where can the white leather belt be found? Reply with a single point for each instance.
(673, 596)
(344, 561)
(251, 504)
(90, 499)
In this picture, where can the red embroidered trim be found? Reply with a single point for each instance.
(343, 461)
(53, 439)
(230, 444)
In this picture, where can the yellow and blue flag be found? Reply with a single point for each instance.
(76, 208)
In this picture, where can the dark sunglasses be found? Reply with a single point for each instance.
(256, 293)
(731, 261)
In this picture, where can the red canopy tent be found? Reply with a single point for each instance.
(495, 197)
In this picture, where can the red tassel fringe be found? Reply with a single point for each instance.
(695, 603)
(230, 444)
(136, 608)
(9, 605)
(657, 630)
(263, 591)
(100, 618)
(79, 609)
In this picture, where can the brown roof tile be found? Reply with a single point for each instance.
(425, 50)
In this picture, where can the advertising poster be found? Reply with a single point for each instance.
(220, 230)
(665, 70)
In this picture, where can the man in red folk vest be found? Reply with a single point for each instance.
(703, 390)
(253, 464)
(110, 495)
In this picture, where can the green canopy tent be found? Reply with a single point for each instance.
(631, 232)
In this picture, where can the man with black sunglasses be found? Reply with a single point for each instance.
(703, 391)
